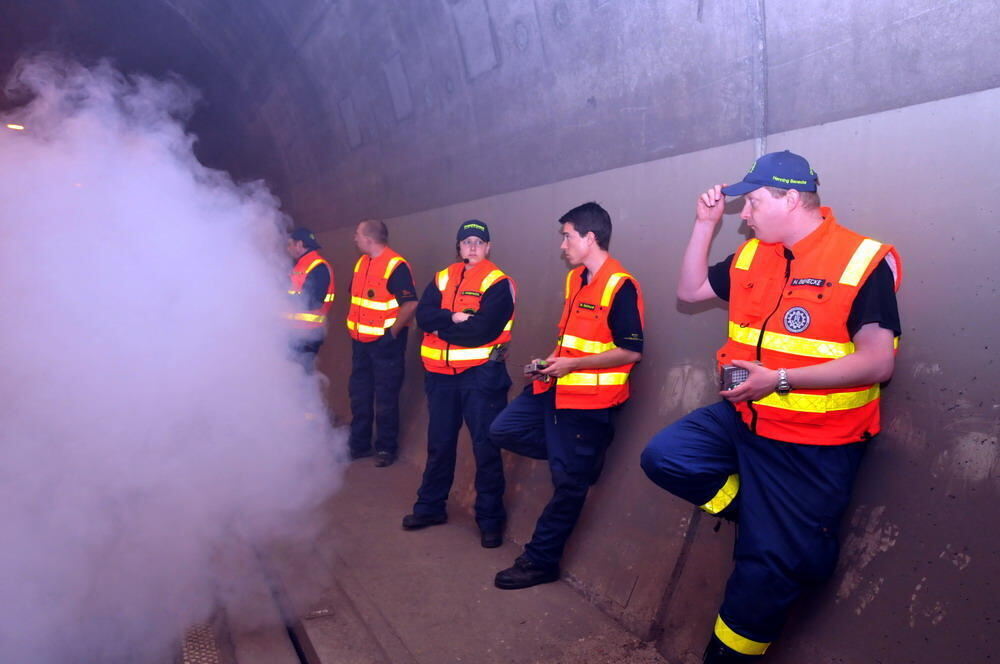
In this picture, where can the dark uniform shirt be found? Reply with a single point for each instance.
(400, 284)
(624, 319)
(875, 302)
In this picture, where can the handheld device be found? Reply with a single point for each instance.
(730, 376)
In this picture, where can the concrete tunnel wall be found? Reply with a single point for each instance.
(402, 109)
(918, 570)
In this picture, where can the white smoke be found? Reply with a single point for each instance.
(150, 416)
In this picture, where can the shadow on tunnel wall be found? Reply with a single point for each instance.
(917, 569)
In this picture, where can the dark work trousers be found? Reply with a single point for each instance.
(304, 353)
(477, 395)
(573, 441)
(376, 377)
(789, 503)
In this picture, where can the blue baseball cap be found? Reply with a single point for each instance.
(785, 170)
(306, 237)
(474, 228)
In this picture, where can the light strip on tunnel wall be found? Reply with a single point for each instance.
(15, 127)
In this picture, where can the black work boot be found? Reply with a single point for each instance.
(490, 539)
(383, 459)
(525, 574)
(718, 652)
(418, 521)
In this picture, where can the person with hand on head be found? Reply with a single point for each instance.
(813, 328)
(567, 414)
(383, 300)
(312, 291)
(467, 313)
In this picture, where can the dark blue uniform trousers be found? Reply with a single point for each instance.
(789, 504)
(573, 441)
(376, 377)
(477, 395)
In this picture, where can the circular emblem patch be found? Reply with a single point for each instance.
(371, 292)
(797, 319)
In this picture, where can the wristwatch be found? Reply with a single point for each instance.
(784, 387)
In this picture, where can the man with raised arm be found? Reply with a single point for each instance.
(812, 332)
(567, 414)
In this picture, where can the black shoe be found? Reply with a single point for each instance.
(383, 459)
(363, 454)
(418, 521)
(491, 539)
(525, 574)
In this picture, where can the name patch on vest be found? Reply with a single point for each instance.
(473, 293)
(797, 319)
(808, 281)
(587, 305)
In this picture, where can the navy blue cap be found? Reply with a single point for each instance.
(784, 170)
(306, 236)
(474, 228)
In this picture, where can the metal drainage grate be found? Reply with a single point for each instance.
(200, 646)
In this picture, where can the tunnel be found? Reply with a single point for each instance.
(427, 113)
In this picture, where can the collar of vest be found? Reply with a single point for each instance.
(819, 236)
(306, 259)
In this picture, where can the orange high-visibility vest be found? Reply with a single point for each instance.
(584, 330)
(462, 290)
(788, 314)
(315, 318)
(373, 308)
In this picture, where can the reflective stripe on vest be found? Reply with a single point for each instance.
(799, 321)
(315, 318)
(585, 331)
(463, 294)
(373, 307)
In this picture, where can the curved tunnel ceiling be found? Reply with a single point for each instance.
(355, 108)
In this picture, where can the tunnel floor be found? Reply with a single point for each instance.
(368, 592)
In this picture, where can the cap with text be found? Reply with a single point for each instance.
(784, 170)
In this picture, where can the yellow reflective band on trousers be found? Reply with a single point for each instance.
(745, 258)
(456, 354)
(786, 343)
(740, 644)
(309, 318)
(585, 345)
(859, 262)
(374, 304)
(725, 496)
(368, 329)
(295, 292)
(820, 403)
(589, 379)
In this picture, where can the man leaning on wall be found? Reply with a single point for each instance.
(383, 300)
(813, 326)
(566, 415)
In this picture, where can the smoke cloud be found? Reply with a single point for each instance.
(150, 415)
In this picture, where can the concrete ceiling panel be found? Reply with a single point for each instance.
(475, 33)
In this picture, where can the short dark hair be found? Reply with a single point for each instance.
(376, 230)
(590, 218)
